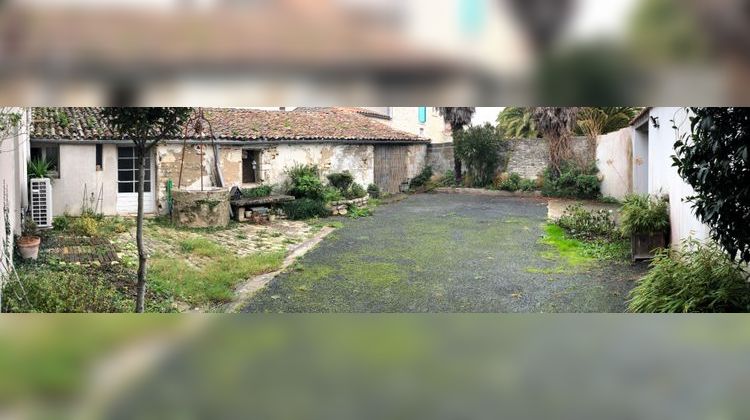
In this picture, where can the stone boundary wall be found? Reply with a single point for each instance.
(341, 208)
(440, 157)
(530, 157)
(527, 157)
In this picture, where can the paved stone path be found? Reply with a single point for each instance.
(445, 253)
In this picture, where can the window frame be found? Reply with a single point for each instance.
(147, 187)
(53, 173)
(258, 168)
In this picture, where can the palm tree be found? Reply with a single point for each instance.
(517, 122)
(605, 120)
(457, 118)
(556, 124)
(594, 121)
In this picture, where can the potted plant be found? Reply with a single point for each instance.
(28, 243)
(646, 220)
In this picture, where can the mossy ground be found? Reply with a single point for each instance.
(441, 253)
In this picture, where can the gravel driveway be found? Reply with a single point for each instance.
(445, 253)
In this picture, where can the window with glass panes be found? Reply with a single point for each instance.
(127, 171)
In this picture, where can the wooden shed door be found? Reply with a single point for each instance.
(391, 163)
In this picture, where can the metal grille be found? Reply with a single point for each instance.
(41, 202)
(391, 167)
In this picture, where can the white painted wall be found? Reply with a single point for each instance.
(663, 177)
(614, 157)
(406, 118)
(14, 153)
(78, 175)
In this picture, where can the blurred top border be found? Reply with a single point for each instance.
(367, 52)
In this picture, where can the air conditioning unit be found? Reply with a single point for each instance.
(41, 202)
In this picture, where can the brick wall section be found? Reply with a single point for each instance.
(528, 157)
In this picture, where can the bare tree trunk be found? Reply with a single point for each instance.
(456, 161)
(142, 256)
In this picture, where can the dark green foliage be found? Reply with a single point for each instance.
(527, 185)
(306, 182)
(341, 180)
(700, 278)
(331, 194)
(355, 212)
(355, 191)
(448, 179)
(262, 191)
(716, 163)
(642, 213)
(61, 223)
(421, 179)
(305, 208)
(588, 224)
(511, 183)
(39, 168)
(373, 190)
(479, 148)
(517, 122)
(573, 182)
(69, 290)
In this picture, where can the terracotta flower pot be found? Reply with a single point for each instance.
(29, 247)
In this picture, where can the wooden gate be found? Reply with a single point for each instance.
(391, 167)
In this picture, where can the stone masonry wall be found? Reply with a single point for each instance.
(440, 157)
(527, 157)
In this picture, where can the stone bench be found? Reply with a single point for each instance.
(241, 205)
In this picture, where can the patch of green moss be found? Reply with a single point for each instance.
(569, 254)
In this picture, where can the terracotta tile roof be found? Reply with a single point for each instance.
(70, 123)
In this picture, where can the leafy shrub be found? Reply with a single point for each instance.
(331, 194)
(61, 223)
(85, 226)
(608, 199)
(69, 290)
(341, 180)
(573, 182)
(585, 224)
(355, 191)
(448, 179)
(527, 185)
(373, 190)
(262, 191)
(355, 212)
(508, 182)
(421, 179)
(305, 208)
(699, 278)
(479, 147)
(642, 213)
(715, 163)
(305, 182)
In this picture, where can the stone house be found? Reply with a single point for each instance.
(95, 167)
(653, 147)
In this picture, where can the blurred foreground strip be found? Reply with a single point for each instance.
(384, 52)
(367, 367)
